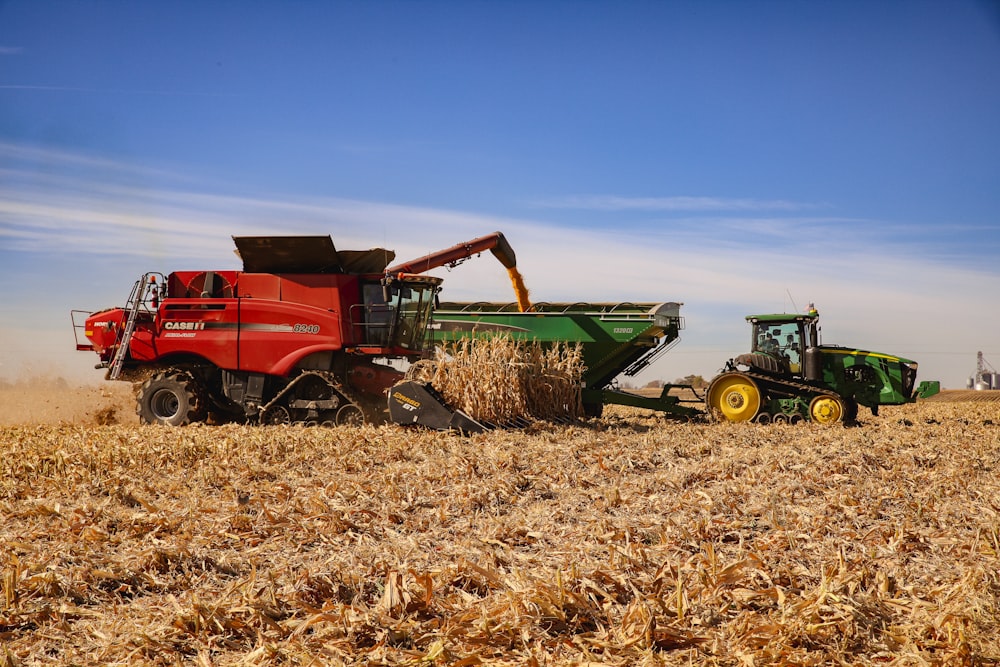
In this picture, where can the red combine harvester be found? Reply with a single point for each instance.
(304, 333)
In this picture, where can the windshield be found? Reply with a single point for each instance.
(779, 340)
(412, 303)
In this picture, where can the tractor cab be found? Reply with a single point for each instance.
(784, 339)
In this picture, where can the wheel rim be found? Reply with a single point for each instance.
(164, 404)
(276, 416)
(826, 409)
(736, 397)
(763, 418)
(350, 415)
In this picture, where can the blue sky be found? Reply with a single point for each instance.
(739, 157)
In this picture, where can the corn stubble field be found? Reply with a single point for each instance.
(627, 540)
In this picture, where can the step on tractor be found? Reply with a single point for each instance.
(789, 376)
(304, 333)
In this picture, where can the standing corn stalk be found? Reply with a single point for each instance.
(501, 380)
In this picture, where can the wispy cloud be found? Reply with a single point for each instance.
(11, 50)
(676, 203)
(38, 164)
(875, 294)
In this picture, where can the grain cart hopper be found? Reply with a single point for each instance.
(790, 376)
(616, 338)
(304, 333)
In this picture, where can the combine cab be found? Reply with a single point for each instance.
(789, 376)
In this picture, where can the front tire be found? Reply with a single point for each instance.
(171, 399)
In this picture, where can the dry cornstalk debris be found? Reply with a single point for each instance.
(628, 540)
(501, 380)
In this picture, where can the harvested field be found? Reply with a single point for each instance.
(966, 396)
(623, 541)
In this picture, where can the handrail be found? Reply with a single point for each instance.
(136, 299)
(77, 327)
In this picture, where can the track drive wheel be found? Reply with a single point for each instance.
(171, 398)
(350, 415)
(827, 409)
(735, 396)
(276, 415)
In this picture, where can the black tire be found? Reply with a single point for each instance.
(850, 412)
(593, 410)
(171, 399)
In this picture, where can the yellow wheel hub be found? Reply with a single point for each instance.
(735, 397)
(826, 409)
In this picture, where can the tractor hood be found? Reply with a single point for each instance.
(863, 354)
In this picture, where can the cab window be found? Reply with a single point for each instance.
(779, 340)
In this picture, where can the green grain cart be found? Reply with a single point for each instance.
(616, 339)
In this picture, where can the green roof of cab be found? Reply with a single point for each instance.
(782, 317)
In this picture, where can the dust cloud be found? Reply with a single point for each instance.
(54, 400)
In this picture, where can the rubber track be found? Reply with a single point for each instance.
(333, 381)
(350, 396)
(789, 387)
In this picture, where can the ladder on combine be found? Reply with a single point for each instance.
(133, 305)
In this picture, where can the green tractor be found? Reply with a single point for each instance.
(789, 376)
